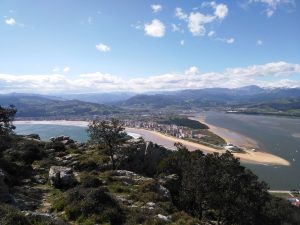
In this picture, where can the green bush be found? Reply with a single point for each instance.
(10, 215)
(24, 151)
(92, 203)
(90, 181)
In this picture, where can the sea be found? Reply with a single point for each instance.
(277, 135)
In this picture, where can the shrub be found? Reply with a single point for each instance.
(92, 203)
(57, 145)
(11, 215)
(88, 180)
(24, 151)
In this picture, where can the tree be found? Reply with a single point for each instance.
(6, 125)
(109, 134)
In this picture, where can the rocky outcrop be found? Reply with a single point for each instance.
(131, 178)
(63, 139)
(128, 177)
(61, 176)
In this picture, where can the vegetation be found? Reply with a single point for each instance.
(181, 187)
(109, 134)
(91, 204)
(216, 187)
(279, 107)
(33, 106)
(6, 126)
(185, 122)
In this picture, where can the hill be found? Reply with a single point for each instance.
(44, 107)
(212, 97)
(282, 107)
(100, 98)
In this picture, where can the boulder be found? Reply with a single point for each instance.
(61, 176)
(163, 218)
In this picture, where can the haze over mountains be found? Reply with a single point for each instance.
(215, 97)
(34, 105)
(54, 107)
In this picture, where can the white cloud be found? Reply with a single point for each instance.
(155, 28)
(56, 69)
(138, 25)
(180, 14)
(272, 5)
(182, 42)
(211, 33)
(276, 74)
(221, 11)
(10, 21)
(192, 71)
(227, 40)
(156, 8)
(197, 21)
(102, 47)
(259, 42)
(175, 28)
(66, 69)
(230, 40)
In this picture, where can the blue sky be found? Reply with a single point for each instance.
(139, 45)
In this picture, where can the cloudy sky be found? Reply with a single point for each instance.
(82, 46)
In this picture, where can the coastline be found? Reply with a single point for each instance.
(248, 156)
(228, 135)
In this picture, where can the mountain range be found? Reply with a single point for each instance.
(251, 97)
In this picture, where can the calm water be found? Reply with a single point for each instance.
(48, 131)
(278, 135)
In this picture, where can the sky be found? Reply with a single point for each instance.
(77, 46)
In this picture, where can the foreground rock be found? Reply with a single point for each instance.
(61, 176)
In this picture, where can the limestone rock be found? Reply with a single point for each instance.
(60, 176)
(163, 218)
(129, 177)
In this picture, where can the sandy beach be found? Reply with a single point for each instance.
(229, 136)
(248, 156)
(168, 141)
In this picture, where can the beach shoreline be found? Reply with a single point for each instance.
(230, 136)
(248, 157)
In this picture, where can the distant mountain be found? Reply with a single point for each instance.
(102, 98)
(41, 106)
(212, 97)
(283, 107)
(252, 98)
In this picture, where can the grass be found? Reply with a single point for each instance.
(281, 195)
